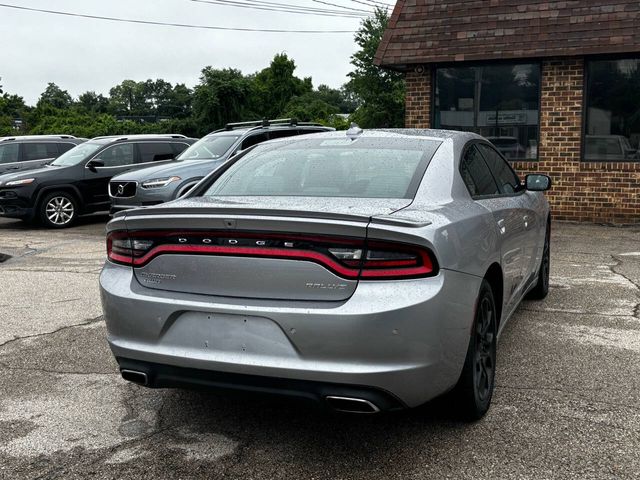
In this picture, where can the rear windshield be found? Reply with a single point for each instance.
(329, 167)
(208, 148)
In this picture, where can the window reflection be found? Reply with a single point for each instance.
(613, 110)
(499, 102)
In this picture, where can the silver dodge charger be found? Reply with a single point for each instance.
(370, 271)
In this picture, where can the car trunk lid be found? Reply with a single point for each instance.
(262, 247)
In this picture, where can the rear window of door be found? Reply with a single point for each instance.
(155, 152)
(117, 155)
(38, 151)
(476, 174)
(9, 153)
(178, 148)
(282, 133)
(65, 147)
(507, 180)
(254, 140)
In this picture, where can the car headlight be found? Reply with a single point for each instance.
(159, 182)
(18, 183)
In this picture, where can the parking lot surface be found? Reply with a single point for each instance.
(567, 401)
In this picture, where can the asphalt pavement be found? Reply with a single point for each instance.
(567, 402)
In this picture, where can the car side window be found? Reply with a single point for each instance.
(178, 148)
(65, 147)
(282, 133)
(155, 152)
(254, 140)
(476, 174)
(117, 155)
(507, 180)
(38, 151)
(9, 153)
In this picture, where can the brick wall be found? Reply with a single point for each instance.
(583, 191)
(606, 192)
(418, 99)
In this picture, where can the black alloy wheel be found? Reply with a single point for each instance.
(474, 389)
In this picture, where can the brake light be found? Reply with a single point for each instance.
(350, 258)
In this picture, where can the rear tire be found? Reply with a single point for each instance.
(58, 210)
(541, 290)
(474, 390)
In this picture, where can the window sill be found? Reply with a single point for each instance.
(621, 166)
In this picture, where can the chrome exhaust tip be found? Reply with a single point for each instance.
(134, 376)
(351, 405)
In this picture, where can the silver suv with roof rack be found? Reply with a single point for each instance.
(33, 151)
(158, 184)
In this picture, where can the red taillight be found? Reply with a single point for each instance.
(122, 248)
(388, 260)
(347, 257)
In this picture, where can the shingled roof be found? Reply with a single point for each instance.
(429, 31)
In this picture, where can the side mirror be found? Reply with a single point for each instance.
(537, 183)
(95, 163)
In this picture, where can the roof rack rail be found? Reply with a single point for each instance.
(146, 135)
(34, 137)
(267, 123)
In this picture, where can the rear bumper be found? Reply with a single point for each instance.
(167, 376)
(405, 339)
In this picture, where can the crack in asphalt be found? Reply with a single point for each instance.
(619, 262)
(65, 327)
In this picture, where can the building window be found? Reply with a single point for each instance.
(613, 111)
(500, 102)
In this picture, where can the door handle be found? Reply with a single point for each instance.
(526, 221)
(501, 226)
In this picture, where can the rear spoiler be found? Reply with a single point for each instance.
(169, 212)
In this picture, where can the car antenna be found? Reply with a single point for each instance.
(354, 131)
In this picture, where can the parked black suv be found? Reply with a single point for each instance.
(77, 182)
(33, 151)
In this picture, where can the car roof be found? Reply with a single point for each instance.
(457, 137)
(240, 131)
(150, 137)
(40, 138)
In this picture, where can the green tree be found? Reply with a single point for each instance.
(380, 91)
(130, 98)
(54, 97)
(273, 87)
(309, 107)
(93, 102)
(220, 98)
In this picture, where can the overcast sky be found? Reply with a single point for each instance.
(80, 54)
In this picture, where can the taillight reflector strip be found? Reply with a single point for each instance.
(378, 259)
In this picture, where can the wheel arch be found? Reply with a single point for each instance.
(59, 188)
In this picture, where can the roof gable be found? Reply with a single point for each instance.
(429, 31)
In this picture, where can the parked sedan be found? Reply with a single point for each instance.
(370, 271)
